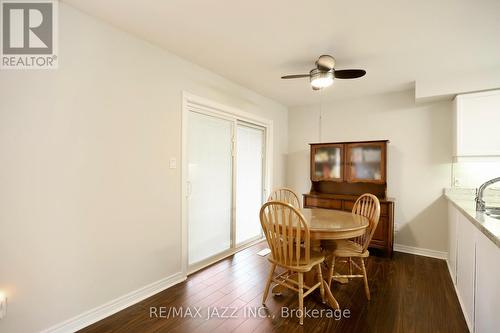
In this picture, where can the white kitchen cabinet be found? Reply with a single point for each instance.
(466, 267)
(474, 263)
(452, 241)
(476, 119)
(487, 291)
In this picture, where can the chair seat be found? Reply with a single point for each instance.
(345, 248)
(315, 259)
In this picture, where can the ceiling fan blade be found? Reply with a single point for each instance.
(349, 73)
(295, 76)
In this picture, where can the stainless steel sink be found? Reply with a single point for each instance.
(493, 212)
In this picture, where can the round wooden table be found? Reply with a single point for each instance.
(326, 224)
(330, 224)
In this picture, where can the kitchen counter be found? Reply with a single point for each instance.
(489, 226)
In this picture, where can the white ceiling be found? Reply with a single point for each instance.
(255, 42)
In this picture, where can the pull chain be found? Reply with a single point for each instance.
(320, 115)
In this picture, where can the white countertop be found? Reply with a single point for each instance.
(489, 226)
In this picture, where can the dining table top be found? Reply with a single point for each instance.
(334, 224)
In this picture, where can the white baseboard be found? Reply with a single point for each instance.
(420, 251)
(87, 318)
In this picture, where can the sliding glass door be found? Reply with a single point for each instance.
(249, 181)
(225, 184)
(210, 186)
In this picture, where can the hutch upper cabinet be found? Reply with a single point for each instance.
(351, 162)
(342, 171)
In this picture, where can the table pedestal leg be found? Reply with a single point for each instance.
(329, 297)
(311, 278)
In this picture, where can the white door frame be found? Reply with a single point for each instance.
(195, 103)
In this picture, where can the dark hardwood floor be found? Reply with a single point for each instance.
(409, 294)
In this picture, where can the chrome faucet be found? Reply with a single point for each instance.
(480, 204)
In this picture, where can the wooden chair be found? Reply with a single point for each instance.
(286, 195)
(285, 229)
(366, 205)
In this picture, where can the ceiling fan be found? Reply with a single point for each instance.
(323, 75)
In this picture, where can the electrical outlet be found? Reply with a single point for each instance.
(397, 226)
(3, 305)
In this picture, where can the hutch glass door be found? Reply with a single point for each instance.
(326, 162)
(365, 162)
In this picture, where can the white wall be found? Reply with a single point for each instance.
(89, 209)
(419, 155)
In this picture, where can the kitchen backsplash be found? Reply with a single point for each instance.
(490, 195)
(473, 174)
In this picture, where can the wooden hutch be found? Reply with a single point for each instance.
(341, 171)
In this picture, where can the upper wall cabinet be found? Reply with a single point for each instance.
(477, 124)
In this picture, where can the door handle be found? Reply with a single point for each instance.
(189, 189)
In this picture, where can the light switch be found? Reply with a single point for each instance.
(173, 163)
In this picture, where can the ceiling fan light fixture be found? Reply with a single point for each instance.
(321, 79)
